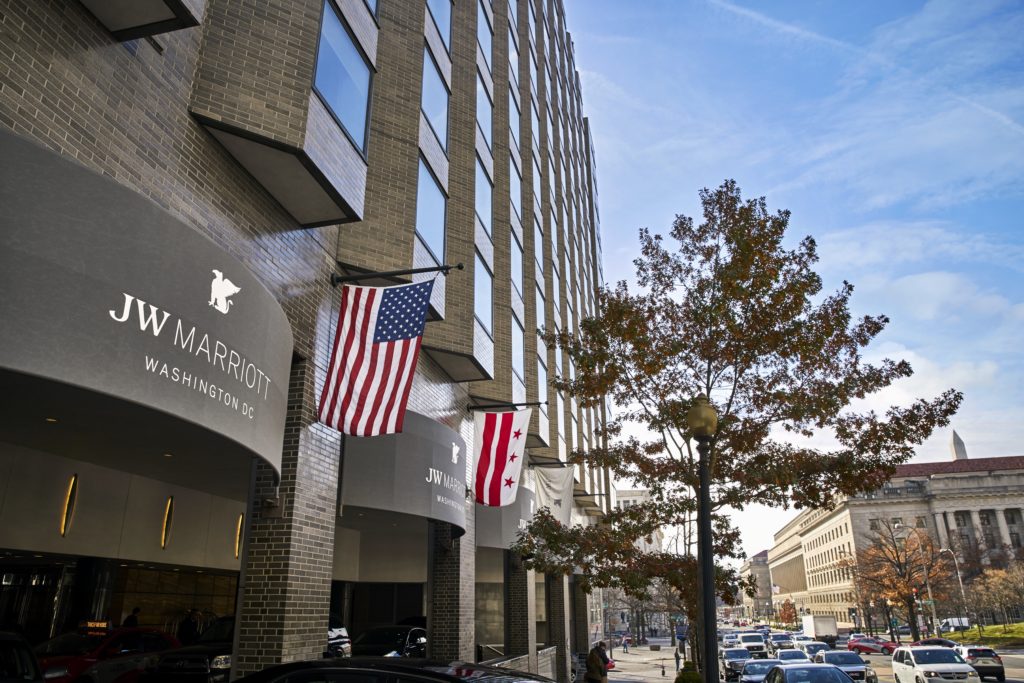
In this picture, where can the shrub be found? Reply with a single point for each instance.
(689, 666)
(689, 677)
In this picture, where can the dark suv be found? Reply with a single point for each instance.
(17, 661)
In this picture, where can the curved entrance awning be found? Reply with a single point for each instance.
(133, 331)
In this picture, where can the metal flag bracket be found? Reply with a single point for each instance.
(488, 406)
(444, 270)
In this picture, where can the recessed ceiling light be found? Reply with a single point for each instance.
(168, 455)
(51, 420)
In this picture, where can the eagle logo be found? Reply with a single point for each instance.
(220, 289)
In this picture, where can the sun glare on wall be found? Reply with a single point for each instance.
(165, 533)
(69, 505)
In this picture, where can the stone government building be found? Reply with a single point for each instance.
(180, 181)
(972, 506)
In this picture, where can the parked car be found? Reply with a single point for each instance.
(856, 636)
(339, 644)
(208, 660)
(806, 673)
(984, 660)
(99, 655)
(780, 641)
(754, 670)
(871, 646)
(17, 661)
(731, 661)
(755, 643)
(391, 641)
(381, 670)
(793, 655)
(851, 664)
(941, 642)
(919, 664)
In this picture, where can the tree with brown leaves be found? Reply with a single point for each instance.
(731, 312)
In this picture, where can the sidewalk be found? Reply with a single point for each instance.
(640, 664)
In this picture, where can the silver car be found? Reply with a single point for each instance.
(755, 670)
(850, 662)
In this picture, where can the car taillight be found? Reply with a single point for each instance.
(997, 658)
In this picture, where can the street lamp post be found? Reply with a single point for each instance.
(959, 579)
(924, 569)
(703, 421)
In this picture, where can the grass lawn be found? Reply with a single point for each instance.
(994, 636)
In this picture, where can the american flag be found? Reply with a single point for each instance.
(374, 358)
(500, 445)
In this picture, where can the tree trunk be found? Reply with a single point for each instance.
(912, 618)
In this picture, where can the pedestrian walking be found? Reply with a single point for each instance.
(678, 658)
(132, 620)
(597, 664)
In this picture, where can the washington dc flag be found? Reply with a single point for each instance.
(500, 445)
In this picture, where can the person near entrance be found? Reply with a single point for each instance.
(597, 664)
(188, 630)
(132, 620)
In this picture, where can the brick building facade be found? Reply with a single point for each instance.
(282, 141)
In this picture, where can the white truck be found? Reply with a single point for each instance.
(821, 627)
(954, 624)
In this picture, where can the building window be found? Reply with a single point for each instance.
(1014, 539)
(960, 519)
(484, 191)
(920, 523)
(513, 56)
(441, 12)
(517, 264)
(540, 307)
(343, 76)
(538, 242)
(535, 129)
(435, 98)
(515, 186)
(514, 116)
(897, 520)
(873, 524)
(536, 181)
(483, 284)
(542, 387)
(484, 33)
(986, 518)
(484, 110)
(518, 349)
(430, 213)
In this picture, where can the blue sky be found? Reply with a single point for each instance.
(894, 132)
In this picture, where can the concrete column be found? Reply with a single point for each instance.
(979, 535)
(451, 591)
(285, 589)
(558, 623)
(520, 610)
(940, 525)
(581, 638)
(1004, 529)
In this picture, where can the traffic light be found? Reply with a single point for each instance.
(917, 600)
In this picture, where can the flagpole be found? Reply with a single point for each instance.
(341, 279)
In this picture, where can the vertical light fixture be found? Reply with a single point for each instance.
(69, 505)
(165, 532)
(238, 534)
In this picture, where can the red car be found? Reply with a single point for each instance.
(870, 646)
(101, 656)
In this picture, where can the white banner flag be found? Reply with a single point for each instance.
(554, 491)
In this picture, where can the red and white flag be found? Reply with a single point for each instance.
(374, 359)
(500, 446)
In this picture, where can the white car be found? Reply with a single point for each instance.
(930, 663)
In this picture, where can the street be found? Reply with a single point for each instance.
(641, 664)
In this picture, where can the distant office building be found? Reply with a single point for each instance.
(760, 605)
(970, 505)
(181, 180)
(627, 498)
